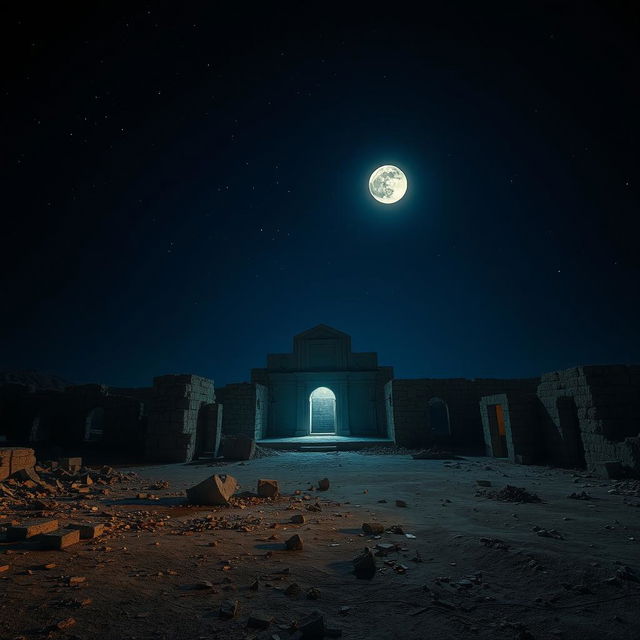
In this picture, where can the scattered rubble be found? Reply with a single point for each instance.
(509, 493)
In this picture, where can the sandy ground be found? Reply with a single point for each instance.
(166, 575)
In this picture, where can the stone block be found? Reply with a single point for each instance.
(31, 528)
(238, 447)
(70, 464)
(215, 490)
(268, 488)
(88, 531)
(61, 538)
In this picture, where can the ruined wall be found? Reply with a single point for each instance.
(245, 409)
(411, 410)
(523, 442)
(173, 416)
(591, 415)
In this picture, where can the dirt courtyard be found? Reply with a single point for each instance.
(453, 563)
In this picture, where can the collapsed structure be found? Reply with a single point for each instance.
(324, 392)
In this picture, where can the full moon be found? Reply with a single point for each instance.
(388, 184)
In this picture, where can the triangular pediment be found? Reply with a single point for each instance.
(321, 332)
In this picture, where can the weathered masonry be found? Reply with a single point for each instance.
(324, 391)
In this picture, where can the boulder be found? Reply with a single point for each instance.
(294, 543)
(324, 484)
(215, 490)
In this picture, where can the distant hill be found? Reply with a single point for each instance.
(38, 379)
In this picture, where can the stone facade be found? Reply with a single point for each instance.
(322, 357)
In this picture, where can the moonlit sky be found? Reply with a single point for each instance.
(186, 187)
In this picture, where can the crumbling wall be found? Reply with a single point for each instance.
(606, 401)
(173, 416)
(245, 409)
(410, 403)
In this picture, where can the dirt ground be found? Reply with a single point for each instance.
(470, 567)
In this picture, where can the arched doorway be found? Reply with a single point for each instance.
(322, 411)
(439, 418)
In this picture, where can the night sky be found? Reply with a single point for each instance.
(185, 187)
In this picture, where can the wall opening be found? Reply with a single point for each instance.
(439, 417)
(497, 430)
(322, 411)
(570, 430)
(94, 425)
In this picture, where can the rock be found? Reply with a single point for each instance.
(4, 567)
(73, 580)
(364, 566)
(293, 590)
(202, 585)
(312, 626)
(268, 488)
(297, 518)
(372, 528)
(215, 490)
(313, 594)
(238, 447)
(294, 543)
(228, 609)
(314, 507)
(324, 484)
(259, 620)
(401, 503)
(31, 528)
(483, 483)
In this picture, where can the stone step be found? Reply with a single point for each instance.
(318, 447)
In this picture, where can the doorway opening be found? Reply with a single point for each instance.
(94, 425)
(439, 417)
(570, 429)
(497, 430)
(322, 411)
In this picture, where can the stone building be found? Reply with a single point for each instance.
(324, 393)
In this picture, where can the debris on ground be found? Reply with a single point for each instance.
(509, 493)
(548, 533)
(268, 488)
(294, 543)
(364, 565)
(494, 543)
(435, 454)
(215, 490)
(583, 495)
(373, 528)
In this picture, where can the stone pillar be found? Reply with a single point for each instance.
(173, 416)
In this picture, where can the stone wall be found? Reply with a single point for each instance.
(409, 401)
(520, 417)
(591, 415)
(173, 416)
(245, 409)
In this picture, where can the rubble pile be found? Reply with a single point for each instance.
(509, 493)
(626, 488)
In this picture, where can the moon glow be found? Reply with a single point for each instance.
(388, 184)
